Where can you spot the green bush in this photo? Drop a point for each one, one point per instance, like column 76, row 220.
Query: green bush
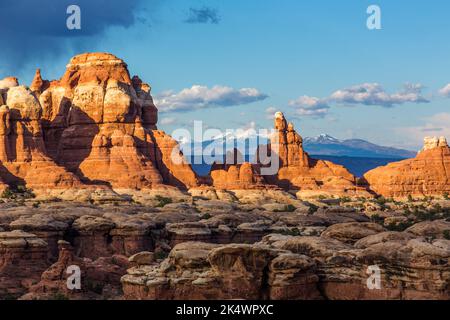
column 312, row 208
column 160, row 255
column 447, row 234
column 59, row 296
column 162, row 201
column 377, row 219
column 381, row 201
column 8, row 194
column 345, row 199
column 206, row 216
column 295, row 232
column 95, row 287
column 286, row 208
column 18, row 192
column 402, row 226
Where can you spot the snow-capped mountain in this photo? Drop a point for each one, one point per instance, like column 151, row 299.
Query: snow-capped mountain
column 322, row 138
column 324, row 144
column 327, row 145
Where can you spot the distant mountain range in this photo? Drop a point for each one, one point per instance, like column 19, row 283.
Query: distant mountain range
column 357, row 155
column 327, row 145
column 323, row 144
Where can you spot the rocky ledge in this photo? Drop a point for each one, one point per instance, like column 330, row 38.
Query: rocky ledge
column 194, row 248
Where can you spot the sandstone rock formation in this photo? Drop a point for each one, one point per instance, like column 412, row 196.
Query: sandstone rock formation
column 229, row 272
column 296, row 170
column 101, row 124
column 299, row 171
column 100, row 279
column 94, row 126
column 235, row 174
column 23, row 257
column 299, row 267
column 425, row 175
column 217, row 249
column 23, row 157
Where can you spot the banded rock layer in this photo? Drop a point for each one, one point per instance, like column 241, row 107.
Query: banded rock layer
column 425, row 175
column 96, row 125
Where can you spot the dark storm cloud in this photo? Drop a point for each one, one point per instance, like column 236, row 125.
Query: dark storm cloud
column 33, row 29
column 203, row 15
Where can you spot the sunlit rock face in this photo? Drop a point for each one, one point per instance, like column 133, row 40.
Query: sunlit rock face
column 23, row 156
column 100, row 124
column 425, row 175
column 299, row 171
column 293, row 168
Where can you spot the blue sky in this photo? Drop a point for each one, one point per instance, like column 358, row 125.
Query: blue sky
column 284, row 50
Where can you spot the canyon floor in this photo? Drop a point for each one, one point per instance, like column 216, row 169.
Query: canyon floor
column 260, row 244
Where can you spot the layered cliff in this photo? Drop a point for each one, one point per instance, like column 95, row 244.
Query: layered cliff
column 94, row 126
column 23, row 157
column 425, row 175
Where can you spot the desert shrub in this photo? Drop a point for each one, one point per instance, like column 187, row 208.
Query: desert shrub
column 8, row 297
column 8, row 194
column 160, row 255
column 289, row 232
column 312, row 208
column 447, row 234
column 59, row 296
column 95, row 287
column 402, row 226
column 410, row 198
column 446, row 196
column 206, row 216
column 345, row 199
column 162, row 201
column 377, row 219
column 18, row 192
column 286, row 208
column 381, row 201
column 423, row 214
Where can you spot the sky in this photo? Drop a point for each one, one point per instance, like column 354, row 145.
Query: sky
column 234, row 63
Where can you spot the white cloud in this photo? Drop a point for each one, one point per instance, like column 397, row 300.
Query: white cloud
column 270, row 112
column 445, row 91
column 374, row 94
column 436, row 125
column 371, row 94
column 201, row 97
column 168, row 121
column 310, row 106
